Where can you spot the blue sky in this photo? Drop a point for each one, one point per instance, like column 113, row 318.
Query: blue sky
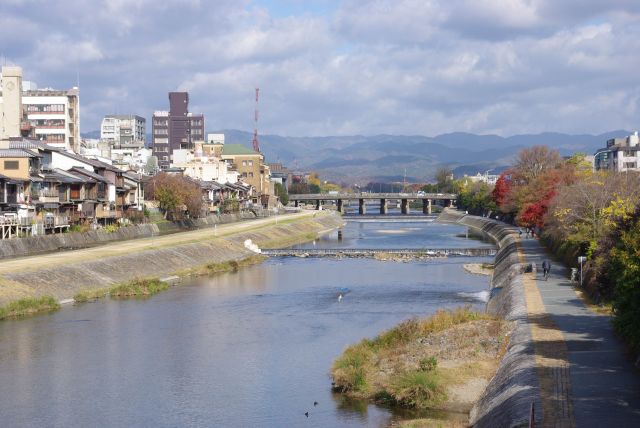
column 341, row 67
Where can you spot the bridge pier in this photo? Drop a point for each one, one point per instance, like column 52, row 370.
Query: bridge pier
column 317, row 204
column 404, row 206
column 362, row 208
column 426, row 206
column 383, row 206
column 296, row 203
column 447, row 203
column 340, row 206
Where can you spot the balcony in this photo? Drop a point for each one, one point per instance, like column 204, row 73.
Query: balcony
column 49, row 196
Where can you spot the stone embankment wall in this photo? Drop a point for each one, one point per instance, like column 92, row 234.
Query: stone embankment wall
column 62, row 282
column 507, row 400
column 19, row 247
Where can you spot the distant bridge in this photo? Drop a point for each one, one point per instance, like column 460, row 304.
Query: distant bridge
column 404, row 198
column 371, row 252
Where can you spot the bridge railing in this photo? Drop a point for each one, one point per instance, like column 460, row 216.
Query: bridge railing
column 328, row 196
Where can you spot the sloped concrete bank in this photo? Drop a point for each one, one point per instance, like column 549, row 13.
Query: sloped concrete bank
column 64, row 281
column 20, row 247
column 507, row 400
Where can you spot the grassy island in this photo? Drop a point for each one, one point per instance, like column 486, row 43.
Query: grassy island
column 443, row 362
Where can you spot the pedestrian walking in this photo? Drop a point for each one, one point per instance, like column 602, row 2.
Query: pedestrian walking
column 546, row 268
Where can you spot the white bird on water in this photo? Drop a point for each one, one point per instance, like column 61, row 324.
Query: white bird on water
column 339, row 297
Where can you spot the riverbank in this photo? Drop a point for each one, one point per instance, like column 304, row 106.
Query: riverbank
column 63, row 274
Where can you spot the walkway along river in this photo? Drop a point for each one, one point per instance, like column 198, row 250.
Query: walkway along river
column 251, row 348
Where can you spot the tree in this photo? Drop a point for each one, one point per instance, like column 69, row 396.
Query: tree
column 533, row 162
column 176, row 195
column 281, row 193
column 444, row 178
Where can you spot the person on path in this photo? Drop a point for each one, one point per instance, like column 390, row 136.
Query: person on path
column 546, row 267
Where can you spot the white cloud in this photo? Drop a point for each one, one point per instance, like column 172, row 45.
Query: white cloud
column 367, row 67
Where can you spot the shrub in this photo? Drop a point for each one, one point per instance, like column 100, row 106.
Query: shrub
column 418, row 389
column 428, row 364
column 29, row 306
column 138, row 287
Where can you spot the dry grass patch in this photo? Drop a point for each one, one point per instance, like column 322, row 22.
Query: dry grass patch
column 441, row 362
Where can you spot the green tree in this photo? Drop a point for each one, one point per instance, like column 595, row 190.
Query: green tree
column 281, row 192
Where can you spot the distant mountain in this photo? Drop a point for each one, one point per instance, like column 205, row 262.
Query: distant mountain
column 360, row 158
column 391, row 157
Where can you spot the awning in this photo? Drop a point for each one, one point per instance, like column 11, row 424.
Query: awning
column 51, row 205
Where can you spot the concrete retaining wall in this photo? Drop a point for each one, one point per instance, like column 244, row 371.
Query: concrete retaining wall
column 64, row 281
column 32, row 245
column 507, row 400
column 19, row 247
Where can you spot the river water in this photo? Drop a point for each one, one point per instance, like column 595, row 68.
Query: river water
column 244, row 349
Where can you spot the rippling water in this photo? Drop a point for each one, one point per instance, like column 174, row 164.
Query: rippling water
column 251, row 348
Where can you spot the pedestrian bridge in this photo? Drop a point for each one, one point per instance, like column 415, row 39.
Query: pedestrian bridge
column 371, row 252
column 427, row 199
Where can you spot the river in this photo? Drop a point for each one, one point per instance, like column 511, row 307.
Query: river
column 244, row 349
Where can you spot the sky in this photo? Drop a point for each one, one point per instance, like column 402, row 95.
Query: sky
column 329, row 67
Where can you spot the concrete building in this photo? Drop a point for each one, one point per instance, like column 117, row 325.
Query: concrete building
column 620, row 154
column 175, row 129
column 11, row 114
column 123, row 130
column 251, row 170
column 204, row 167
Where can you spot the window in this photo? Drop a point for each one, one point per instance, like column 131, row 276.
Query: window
column 251, row 175
column 11, row 165
column 250, row 163
column 244, row 163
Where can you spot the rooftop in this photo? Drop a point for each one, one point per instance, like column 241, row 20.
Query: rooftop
column 237, row 149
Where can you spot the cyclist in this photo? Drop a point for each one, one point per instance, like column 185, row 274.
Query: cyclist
column 546, row 267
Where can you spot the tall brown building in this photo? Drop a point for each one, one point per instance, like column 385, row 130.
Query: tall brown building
column 175, row 129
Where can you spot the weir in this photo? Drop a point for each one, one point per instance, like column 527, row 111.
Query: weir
column 371, row 252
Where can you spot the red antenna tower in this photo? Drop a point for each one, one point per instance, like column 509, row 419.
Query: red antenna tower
column 256, row 144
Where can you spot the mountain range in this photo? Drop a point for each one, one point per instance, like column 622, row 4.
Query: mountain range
column 360, row 159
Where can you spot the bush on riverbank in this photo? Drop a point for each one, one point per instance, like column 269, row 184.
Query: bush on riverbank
column 419, row 363
column 29, row 306
column 232, row 265
column 92, row 294
column 138, row 287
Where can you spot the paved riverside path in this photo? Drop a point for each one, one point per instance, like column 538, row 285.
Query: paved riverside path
column 604, row 385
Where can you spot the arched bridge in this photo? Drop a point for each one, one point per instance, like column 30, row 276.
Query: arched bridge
column 404, row 198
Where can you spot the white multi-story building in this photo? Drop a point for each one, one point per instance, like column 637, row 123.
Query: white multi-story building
column 54, row 116
column 123, row 130
column 621, row 154
column 203, row 167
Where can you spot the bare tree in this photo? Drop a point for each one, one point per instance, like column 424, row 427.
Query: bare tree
column 533, row 162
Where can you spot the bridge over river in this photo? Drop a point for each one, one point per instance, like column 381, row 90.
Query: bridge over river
column 404, row 198
column 365, row 252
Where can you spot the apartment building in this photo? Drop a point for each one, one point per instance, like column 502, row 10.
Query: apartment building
column 48, row 115
column 175, row 129
column 123, row 131
column 620, row 154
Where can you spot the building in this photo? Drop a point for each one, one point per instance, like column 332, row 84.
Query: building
column 486, row 178
column 620, row 154
column 11, row 112
column 48, row 115
column 203, row 166
column 47, row 188
column 175, row 129
column 251, row 170
column 123, row 131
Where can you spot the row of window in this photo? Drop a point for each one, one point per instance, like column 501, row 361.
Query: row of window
column 247, row 163
column 46, row 108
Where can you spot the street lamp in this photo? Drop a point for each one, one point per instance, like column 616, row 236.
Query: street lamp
column 581, row 260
